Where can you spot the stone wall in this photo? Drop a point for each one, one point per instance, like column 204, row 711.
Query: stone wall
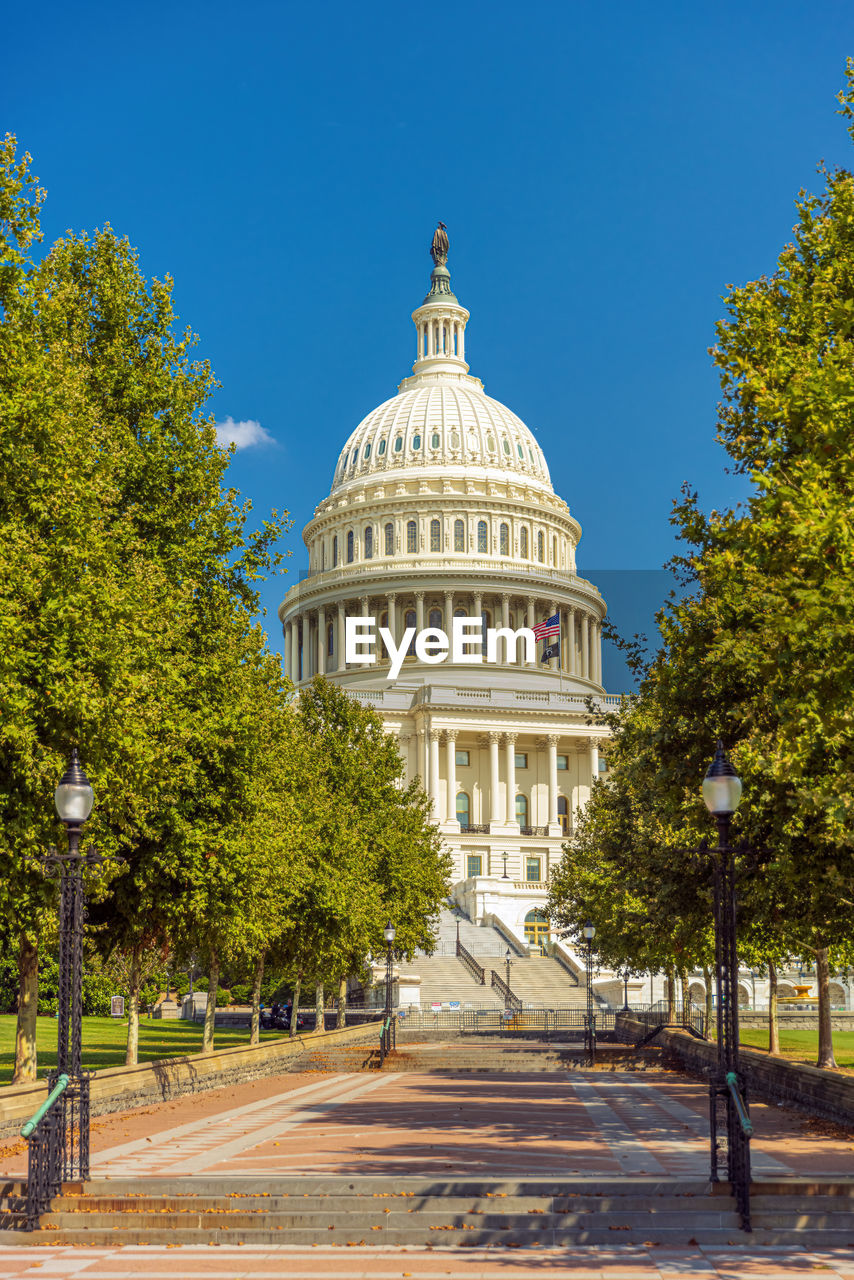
column 800, row 1020
column 828, row 1094
column 120, row 1088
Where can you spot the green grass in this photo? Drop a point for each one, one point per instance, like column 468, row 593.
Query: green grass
column 104, row 1041
column 802, row 1046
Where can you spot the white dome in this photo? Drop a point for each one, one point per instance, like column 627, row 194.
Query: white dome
column 442, row 422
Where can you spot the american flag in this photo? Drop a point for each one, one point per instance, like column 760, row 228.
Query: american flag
column 551, row 627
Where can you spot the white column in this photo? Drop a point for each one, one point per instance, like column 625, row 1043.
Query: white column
column 505, row 610
column 585, row 647
column 592, row 643
column 392, row 614
column 288, row 647
column 570, row 633
column 462, row 342
column 419, row 610
column 530, row 625
column 308, row 647
column 552, row 745
column 510, row 744
column 552, row 611
column 597, row 649
column 451, row 745
column 594, row 759
column 494, row 781
column 434, row 771
column 449, row 613
column 321, row 640
column 478, row 604
column 340, row 664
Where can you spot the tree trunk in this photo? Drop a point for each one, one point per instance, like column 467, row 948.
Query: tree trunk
column 773, row 1020
column 341, row 1020
column 683, row 986
column 671, row 994
column 255, row 1026
column 710, row 1004
column 132, row 1051
column 28, row 1004
column 825, row 1032
column 295, row 1005
column 210, row 1007
column 319, row 1014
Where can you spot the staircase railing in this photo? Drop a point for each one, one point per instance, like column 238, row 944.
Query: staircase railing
column 510, row 998
column 476, row 970
column 45, row 1132
column 557, row 953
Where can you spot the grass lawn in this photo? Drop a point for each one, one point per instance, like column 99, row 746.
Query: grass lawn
column 802, row 1046
column 104, row 1041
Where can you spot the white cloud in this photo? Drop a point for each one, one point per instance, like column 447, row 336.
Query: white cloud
column 243, row 435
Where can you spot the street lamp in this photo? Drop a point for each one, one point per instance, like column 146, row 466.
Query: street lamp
column 589, row 932
column 388, row 934
column 625, row 1008
column 722, row 795
column 505, row 876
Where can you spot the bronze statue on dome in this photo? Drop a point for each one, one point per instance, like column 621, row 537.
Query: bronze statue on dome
column 439, row 247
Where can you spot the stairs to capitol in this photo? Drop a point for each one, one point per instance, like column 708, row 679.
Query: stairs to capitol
column 417, row 1211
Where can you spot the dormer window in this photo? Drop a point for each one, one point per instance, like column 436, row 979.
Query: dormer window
column 381, row 448
column 416, row 442
column 398, row 444
column 434, row 440
column 367, row 453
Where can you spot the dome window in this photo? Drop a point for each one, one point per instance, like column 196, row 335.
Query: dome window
column 541, row 547
column 411, row 537
column 354, row 458
column 531, row 455
column 504, row 539
column 506, row 444
column 523, row 543
column 369, row 543
column 482, row 537
column 389, row 538
column 416, row 442
column 367, row 453
column 398, row 444
column 350, row 547
column 521, row 454
column 459, row 536
column 435, row 536
column 435, row 440
column 455, row 439
column 490, row 444
column 381, row 448
column 554, row 552
column 335, row 552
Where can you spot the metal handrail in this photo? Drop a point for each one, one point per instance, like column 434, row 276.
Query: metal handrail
column 741, row 1110
column 55, row 1094
column 510, row 996
column 476, row 970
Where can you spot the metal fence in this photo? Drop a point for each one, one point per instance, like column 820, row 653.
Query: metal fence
column 503, row 1022
column 661, row 1014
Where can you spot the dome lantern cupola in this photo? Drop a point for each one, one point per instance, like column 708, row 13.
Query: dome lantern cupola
column 440, row 321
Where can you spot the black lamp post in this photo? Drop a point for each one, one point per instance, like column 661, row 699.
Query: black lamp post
column 505, row 876
column 388, row 934
column 727, row 1093
column 625, row 1008
column 589, row 932
column 507, row 962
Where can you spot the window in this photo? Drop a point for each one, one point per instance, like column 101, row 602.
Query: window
column 523, row 543
column 381, row 448
column 536, row 928
column 354, row 458
column 463, row 809
column 389, row 539
column 335, row 551
column 369, row 543
column 554, row 551
column 455, row 439
column 330, row 640
column 474, row 865
column 435, row 535
column 367, row 452
column 482, row 537
column 411, row 537
column 522, row 810
column 322, row 556
column 532, row 868
column 506, row 444
column 350, row 547
column 504, row 539
column 434, row 619
column 521, row 759
column 562, row 762
column 416, row 442
column 434, row 440
column 462, row 758
column 563, row 814
column 459, row 536
column 490, row 444
column 409, row 621
column 541, row 547
column 531, row 455
column 398, row 444
column 520, row 453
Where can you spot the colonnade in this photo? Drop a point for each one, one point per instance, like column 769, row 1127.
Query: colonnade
column 308, row 651
column 441, row 336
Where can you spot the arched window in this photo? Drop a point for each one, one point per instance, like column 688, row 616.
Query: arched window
column 354, row 458
column 435, row 619
column 541, row 547
column 520, row 453
column 490, row 444
column 554, row 551
column 563, row 814
column 435, row 535
column 367, row 452
column 482, row 537
column 411, row 537
column 536, row 928
column 330, row 640
column 416, row 442
column 381, row 448
column 409, row 621
column 504, row 539
column 455, row 439
column 523, row 543
column 522, row 810
column 506, row 444
column 434, row 440
column 350, row 547
column 463, row 810
column 389, row 539
column 369, row 543
column 398, row 444
column 335, row 551
column 459, row 536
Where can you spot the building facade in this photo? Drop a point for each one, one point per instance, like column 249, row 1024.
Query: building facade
column 441, row 506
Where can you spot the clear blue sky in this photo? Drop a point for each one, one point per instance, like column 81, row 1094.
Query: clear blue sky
column 604, row 172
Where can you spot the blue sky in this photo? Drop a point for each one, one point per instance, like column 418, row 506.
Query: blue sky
column 604, row 172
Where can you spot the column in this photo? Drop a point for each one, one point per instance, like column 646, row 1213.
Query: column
column 552, row 745
column 591, row 641
column 449, row 613
column 340, row 664
column 308, row 647
column 594, row 759
column 495, row 808
column 598, row 651
column 461, row 342
column 570, row 632
column 288, row 629
column 434, row 771
column 391, row 598
column 451, row 745
column 510, row 745
column 478, row 604
column 530, row 623
column 553, row 608
column 585, row 647
column 321, row 640
column 419, row 611
column 505, row 609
